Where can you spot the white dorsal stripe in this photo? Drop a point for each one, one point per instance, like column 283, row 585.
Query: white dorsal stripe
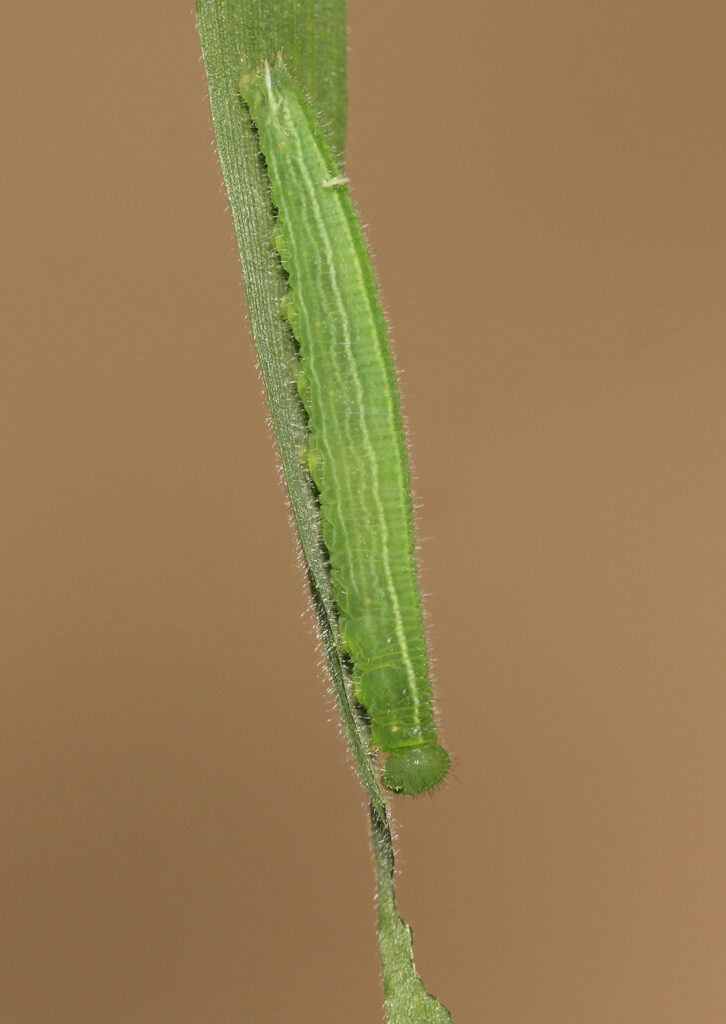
column 313, row 183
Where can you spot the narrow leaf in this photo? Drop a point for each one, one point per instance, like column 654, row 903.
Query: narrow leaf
column 237, row 36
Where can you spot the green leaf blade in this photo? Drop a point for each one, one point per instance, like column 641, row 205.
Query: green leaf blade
column 237, row 36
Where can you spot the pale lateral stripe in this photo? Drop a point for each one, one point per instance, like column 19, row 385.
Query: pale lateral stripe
column 301, row 297
column 367, row 443
column 310, row 367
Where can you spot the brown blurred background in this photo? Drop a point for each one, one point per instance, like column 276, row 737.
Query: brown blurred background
column 182, row 839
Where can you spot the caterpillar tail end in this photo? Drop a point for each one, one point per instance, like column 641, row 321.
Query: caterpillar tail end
column 413, row 770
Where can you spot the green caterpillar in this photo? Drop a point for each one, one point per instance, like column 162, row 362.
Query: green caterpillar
column 357, row 451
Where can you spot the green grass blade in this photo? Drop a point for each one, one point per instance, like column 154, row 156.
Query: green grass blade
column 236, row 36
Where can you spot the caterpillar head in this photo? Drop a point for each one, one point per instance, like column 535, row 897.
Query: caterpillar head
column 413, row 770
